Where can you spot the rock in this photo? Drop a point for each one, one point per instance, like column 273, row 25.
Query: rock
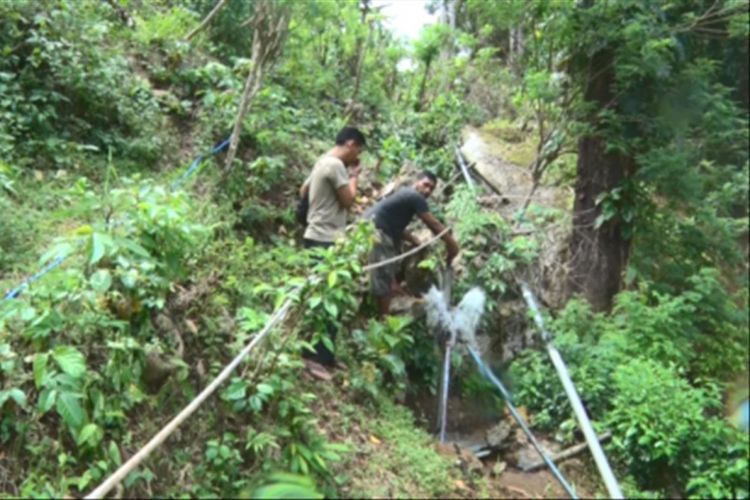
column 527, row 454
column 406, row 304
column 156, row 372
column 164, row 323
column 499, row 468
column 500, row 436
column 468, row 461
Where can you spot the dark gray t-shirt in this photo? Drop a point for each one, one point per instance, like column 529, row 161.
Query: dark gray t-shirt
column 394, row 213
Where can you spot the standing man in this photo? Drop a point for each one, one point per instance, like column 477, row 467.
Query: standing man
column 331, row 191
column 391, row 215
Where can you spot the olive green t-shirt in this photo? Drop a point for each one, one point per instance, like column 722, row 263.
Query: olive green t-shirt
column 326, row 218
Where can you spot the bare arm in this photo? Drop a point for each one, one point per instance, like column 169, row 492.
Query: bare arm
column 346, row 194
column 304, row 189
column 436, row 227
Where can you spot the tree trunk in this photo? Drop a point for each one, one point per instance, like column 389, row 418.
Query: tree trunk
column 598, row 255
column 219, row 5
column 361, row 49
column 515, row 48
column 745, row 78
column 252, row 85
column 423, row 84
column 270, row 23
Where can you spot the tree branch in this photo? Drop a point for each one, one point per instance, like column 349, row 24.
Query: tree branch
column 207, row 20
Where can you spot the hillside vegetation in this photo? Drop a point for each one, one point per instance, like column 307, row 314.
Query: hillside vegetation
column 159, row 273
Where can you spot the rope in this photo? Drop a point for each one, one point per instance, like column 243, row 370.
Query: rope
column 168, row 429
column 483, row 369
column 216, row 149
column 28, row 281
column 575, row 401
column 404, row 255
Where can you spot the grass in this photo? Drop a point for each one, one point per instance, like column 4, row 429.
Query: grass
column 506, row 140
column 389, row 455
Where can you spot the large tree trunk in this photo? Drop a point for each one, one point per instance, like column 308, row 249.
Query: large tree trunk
column 598, row 255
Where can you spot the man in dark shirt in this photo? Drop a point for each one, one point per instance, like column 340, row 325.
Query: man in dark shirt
column 391, row 216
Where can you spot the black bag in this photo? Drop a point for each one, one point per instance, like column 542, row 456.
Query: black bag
column 303, row 206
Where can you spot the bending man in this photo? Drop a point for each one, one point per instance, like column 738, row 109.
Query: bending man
column 391, row 216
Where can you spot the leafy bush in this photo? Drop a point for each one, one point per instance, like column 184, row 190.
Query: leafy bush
column 380, row 351
column 488, row 251
column 63, row 92
column 86, row 335
column 652, row 372
column 660, row 425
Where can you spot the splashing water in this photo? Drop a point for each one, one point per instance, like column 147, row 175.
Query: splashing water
column 463, row 319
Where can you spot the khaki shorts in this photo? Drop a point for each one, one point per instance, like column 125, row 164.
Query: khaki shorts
column 382, row 277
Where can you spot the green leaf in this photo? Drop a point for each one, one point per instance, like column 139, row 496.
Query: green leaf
column 314, row 301
column 331, row 308
column 101, row 280
column 236, row 390
column 114, row 453
column 264, row 389
column 46, row 399
column 70, row 410
column 332, row 279
column 130, row 278
column 60, row 250
column 90, row 432
column 15, row 394
column 40, row 368
column 99, row 244
column 70, row 360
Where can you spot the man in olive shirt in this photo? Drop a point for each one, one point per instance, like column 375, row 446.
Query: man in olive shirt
column 391, row 215
column 331, row 192
column 332, row 189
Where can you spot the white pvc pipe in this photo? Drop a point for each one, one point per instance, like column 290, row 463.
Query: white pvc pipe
column 575, row 401
column 464, row 170
column 168, row 429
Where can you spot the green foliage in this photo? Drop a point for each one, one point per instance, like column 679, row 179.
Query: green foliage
column 129, row 269
column 160, row 27
column 90, row 85
column 407, row 461
column 652, row 372
column 654, row 436
column 287, row 486
column 65, row 92
column 380, row 353
column 490, row 253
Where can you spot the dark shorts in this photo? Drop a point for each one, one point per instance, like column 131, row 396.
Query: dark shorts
column 316, row 244
column 382, row 277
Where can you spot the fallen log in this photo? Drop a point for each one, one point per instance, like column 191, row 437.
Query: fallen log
column 565, row 454
column 493, row 188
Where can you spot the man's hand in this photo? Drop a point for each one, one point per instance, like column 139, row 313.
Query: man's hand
column 452, row 248
column 354, row 170
column 437, row 228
